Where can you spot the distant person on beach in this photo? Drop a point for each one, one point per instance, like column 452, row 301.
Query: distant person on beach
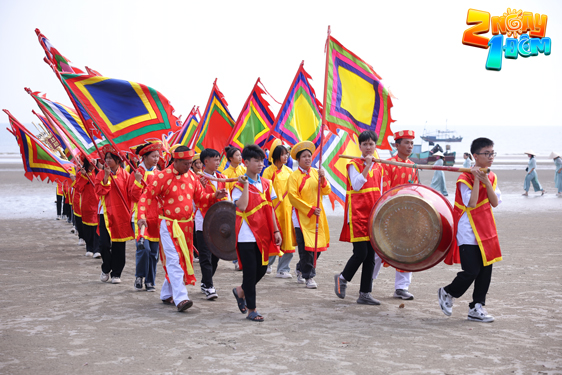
column 467, row 160
column 477, row 245
column 438, row 181
column 531, row 176
column 557, row 173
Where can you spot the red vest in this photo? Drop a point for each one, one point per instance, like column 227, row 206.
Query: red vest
column 259, row 217
column 481, row 220
column 88, row 200
column 358, row 204
column 210, row 189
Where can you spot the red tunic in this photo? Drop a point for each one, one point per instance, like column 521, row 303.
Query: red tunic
column 115, row 211
column 76, row 200
column 66, row 192
column 259, row 217
column 358, row 204
column 59, row 189
column 481, row 220
column 89, row 199
column 210, row 189
column 176, row 194
column 136, row 192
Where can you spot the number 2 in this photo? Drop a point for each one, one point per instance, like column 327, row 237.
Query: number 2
column 481, row 22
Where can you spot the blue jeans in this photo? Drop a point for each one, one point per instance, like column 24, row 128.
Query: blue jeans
column 147, row 260
column 284, row 262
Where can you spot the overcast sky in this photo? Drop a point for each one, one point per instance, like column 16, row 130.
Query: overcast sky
column 180, row 47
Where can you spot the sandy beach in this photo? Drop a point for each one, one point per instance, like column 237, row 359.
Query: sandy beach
column 57, row 317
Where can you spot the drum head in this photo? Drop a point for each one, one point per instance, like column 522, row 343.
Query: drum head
column 406, row 229
column 219, row 230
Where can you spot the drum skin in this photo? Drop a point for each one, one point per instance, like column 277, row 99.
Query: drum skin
column 411, row 227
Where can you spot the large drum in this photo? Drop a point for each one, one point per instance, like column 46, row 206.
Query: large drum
column 411, row 227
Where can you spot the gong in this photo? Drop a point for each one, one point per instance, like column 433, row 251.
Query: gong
column 219, row 230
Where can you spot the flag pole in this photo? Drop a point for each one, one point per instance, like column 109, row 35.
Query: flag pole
column 320, row 180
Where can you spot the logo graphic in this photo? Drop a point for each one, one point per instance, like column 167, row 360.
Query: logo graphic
column 514, row 24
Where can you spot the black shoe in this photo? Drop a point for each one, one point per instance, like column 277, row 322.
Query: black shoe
column 149, row 287
column 138, row 283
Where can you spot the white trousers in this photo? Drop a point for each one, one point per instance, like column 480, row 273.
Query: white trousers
column 176, row 287
column 402, row 280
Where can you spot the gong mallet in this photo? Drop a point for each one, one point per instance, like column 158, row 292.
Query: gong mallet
column 419, row 166
column 216, row 179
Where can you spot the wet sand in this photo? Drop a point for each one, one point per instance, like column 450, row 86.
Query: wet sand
column 57, row 317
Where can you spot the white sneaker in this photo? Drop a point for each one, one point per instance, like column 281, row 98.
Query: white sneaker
column 73, row 230
column 311, row 284
column 479, row 314
column 58, row 217
column 300, row 279
column 211, row 293
column 284, row 275
column 116, row 280
column 104, row 277
column 195, row 260
column 445, row 301
column 81, row 242
column 97, row 255
column 268, row 270
column 89, row 253
column 236, row 266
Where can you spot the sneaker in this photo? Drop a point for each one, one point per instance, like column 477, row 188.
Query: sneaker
column 311, row 284
column 403, row 294
column 104, row 276
column 138, row 283
column 211, row 293
column 268, row 270
column 236, row 267
column 89, row 254
column 340, row 286
column 203, row 288
column 81, row 242
column 73, row 230
column 284, row 275
column 367, row 299
column 195, row 260
column 479, row 314
column 97, row 255
column 300, row 279
column 150, row 287
column 445, row 301
column 58, row 217
column 116, row 280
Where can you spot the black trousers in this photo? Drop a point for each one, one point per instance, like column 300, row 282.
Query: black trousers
column 473, row 270
column 306, row 258
column 363, row 253
column 79, row 226
column 66, row 211
column 59, row 204
column 252, row 270
column 195, row 245
column 91, row 238
column 207, row 261
column 112, row 253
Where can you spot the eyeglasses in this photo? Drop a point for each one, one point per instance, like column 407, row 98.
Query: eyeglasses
column 487, row 154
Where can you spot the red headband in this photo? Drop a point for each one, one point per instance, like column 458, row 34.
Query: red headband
column 155, row 146
column 186, row 155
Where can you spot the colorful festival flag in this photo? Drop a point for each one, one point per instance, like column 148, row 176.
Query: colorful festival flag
column 354, row 97
column 38, row 160
column 255, row 121
column 61, row 63
column 187, row 132
column 216, row 123
column 300, row 115
column 336, row 168
column 129, row 113
column 58, row 135
column 68, row 121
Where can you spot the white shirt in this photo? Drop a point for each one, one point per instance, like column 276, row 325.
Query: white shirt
column 245, row 234
column 465, row 234
column 198, row 215
column 357, row 181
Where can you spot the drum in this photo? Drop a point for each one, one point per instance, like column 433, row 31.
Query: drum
column 411, row 227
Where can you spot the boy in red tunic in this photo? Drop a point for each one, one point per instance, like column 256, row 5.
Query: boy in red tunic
column 257, row 234
column 364, row 183
column 207, row 260
column 477, row 238
column 396, row 176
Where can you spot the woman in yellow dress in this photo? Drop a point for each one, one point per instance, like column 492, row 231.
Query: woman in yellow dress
column 279, row 174
column 303, row 190
column 236, row 168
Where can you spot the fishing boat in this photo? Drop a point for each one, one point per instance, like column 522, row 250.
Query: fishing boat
column 426, row 157
column 445, row 136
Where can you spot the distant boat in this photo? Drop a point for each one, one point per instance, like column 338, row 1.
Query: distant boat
column 426, row 157
column 441, row 136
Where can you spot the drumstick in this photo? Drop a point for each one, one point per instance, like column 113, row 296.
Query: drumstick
column 419, row 166
column 210, row 178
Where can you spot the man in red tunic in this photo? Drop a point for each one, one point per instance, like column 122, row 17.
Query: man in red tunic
column 176, row 189
column 396, row 176
column 364, row 183
column 477, row 245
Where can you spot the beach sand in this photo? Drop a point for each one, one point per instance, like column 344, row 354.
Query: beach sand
column 57, row 317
